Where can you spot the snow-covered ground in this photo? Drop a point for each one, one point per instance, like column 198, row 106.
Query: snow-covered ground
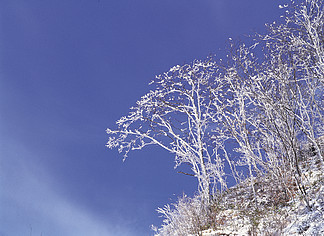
column 301, row 222
column 294, row 218
column 268, row 211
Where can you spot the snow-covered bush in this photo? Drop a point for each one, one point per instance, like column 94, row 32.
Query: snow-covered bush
column 186, row 216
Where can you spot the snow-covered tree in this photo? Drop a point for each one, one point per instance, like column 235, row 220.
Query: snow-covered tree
column 180, row 115
column 277, row 99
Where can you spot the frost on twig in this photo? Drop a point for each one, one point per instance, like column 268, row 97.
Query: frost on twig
column 180, row 114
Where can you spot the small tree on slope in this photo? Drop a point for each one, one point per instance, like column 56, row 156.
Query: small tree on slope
column 179, row 115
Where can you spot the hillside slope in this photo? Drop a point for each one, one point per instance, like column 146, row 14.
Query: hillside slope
column 275, row 213
column 271, row 207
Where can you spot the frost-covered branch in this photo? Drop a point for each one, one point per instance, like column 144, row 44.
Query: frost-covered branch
column 178, row 115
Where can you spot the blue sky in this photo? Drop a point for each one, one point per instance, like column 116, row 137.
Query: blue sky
column 68, row 70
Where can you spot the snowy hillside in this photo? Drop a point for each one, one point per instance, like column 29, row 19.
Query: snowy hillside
column 273, row 213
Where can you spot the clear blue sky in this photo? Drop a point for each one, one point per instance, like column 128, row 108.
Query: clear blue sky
column 68, row 70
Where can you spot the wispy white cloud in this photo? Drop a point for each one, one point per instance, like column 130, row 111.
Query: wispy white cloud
column 31, row 205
